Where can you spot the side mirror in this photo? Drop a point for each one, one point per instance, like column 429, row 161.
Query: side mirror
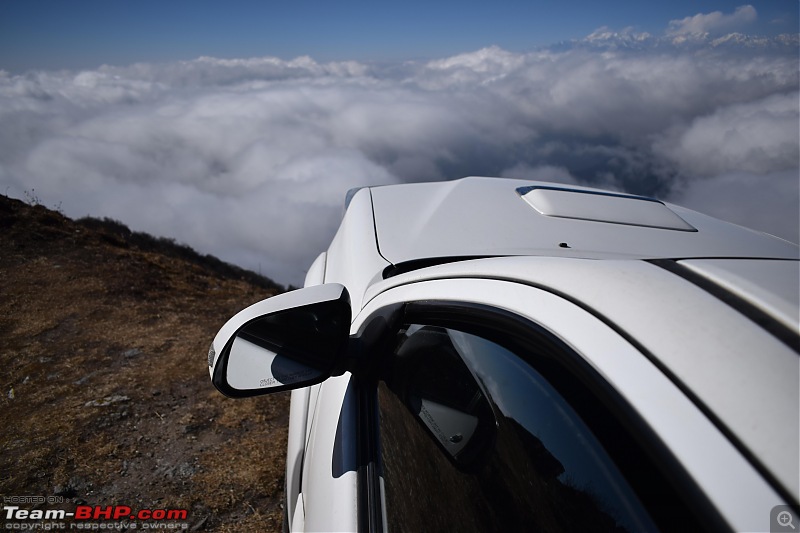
column 289, row 341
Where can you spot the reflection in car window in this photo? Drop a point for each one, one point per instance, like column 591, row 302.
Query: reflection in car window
column 474, row 439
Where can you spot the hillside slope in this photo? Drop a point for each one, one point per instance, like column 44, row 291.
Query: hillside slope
column 105, row 392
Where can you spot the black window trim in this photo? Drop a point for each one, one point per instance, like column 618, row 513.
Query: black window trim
column 370, row 509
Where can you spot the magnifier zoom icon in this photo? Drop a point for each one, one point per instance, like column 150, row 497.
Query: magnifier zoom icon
column 785, row 519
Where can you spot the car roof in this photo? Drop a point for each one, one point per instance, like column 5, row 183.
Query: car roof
column 481, row 217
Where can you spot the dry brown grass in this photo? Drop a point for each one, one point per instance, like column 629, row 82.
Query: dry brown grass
column 105, row 392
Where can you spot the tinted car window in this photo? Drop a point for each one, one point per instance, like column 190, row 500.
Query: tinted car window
column 475, row 439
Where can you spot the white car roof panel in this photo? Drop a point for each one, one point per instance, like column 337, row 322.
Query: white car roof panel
column 489, row 217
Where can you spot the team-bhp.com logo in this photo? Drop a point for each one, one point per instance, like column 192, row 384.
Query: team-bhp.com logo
column 122, row 512
column 87, row 517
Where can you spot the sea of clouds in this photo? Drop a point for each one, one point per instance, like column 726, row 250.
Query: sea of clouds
column 250, row 159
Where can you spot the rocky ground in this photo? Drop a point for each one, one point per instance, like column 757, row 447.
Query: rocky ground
column 106, row 398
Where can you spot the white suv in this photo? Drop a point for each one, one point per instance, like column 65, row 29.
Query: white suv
column 492, row 354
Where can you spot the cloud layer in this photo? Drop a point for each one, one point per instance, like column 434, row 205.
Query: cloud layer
column 715, row 22
column 250, row 159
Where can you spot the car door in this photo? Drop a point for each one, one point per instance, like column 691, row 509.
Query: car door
column 497, row 405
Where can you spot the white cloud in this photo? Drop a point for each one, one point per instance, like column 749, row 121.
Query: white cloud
column 759, row 137
column 765, row 202
column 250, row 159
column 713, row 23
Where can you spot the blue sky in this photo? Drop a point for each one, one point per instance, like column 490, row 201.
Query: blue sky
column 79, row 34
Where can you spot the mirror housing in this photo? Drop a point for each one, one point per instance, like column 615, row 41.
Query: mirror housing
column 288, row 341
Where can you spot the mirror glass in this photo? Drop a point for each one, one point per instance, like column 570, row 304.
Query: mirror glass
column 289, row 348
column 251, row 366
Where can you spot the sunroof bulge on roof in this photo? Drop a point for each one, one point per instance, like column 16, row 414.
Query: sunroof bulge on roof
column 602, row 207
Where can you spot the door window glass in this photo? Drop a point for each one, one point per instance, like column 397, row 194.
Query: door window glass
column 475, row 439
